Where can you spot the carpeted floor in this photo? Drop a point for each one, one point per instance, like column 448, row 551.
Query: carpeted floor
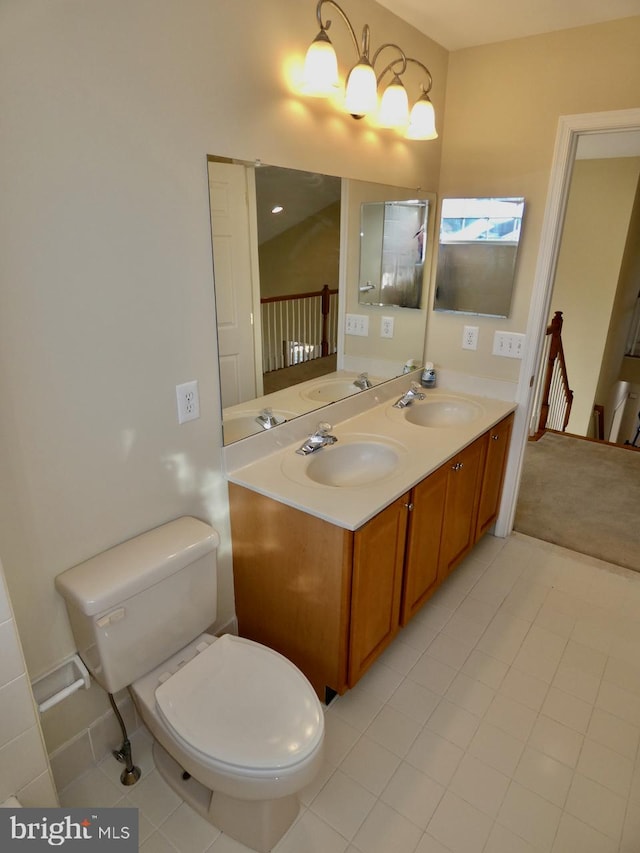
column 582, row 495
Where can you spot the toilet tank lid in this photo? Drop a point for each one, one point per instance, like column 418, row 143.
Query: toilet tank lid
column 109, row 578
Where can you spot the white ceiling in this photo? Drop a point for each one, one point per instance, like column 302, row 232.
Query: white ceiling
column 464, row 23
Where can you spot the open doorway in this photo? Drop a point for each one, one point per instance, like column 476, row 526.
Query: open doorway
column 595, row 288
column 574, row 492
column 570, row 130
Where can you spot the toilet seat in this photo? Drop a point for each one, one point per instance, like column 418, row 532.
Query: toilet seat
column 243, row 706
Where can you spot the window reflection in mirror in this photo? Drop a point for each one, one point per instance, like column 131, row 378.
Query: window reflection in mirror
column 477, row 252
column 393, row 244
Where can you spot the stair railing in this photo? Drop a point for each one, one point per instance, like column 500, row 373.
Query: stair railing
column 557, row 396
column 298, row 327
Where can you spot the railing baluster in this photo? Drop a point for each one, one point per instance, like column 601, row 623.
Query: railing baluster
column 557, row 397
column 298, row 327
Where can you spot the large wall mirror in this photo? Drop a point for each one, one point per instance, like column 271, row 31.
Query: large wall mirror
column 477, row 252
column 286, row 249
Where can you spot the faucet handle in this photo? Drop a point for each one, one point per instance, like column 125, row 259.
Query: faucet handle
column 323, row 428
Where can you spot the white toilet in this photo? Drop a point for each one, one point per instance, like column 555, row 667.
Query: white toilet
column 240, row 719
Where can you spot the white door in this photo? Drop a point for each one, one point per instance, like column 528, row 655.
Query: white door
column 231, row 207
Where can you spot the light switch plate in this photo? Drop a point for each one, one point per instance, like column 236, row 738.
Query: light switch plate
column 508, row 344
column 356, row 324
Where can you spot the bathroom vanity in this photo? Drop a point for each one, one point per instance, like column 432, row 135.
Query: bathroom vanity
column 328, row 572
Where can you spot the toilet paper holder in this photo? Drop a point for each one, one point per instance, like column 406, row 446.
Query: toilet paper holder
column 62, row 681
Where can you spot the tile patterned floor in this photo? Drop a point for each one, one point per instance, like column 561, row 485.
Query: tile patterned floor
column 505, row 718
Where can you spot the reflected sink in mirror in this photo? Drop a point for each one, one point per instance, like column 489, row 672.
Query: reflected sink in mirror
column 443, row 412
column 334, row 389
column 357, row 462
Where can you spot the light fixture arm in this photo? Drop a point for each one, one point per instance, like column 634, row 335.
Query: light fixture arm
column 404, row 59
column 364, row 51
column 426, row 71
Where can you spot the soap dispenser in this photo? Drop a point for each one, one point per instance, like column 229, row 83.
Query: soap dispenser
column 428, row 376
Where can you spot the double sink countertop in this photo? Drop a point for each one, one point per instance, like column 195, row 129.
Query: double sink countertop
column 381, row 452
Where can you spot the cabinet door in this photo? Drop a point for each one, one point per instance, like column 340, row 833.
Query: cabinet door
column 459, row 525
column 292, row 582
column 378, row 557
column 423, row 542
column 497, row 449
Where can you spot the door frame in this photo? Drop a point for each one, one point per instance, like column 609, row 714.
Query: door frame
column 569, row 129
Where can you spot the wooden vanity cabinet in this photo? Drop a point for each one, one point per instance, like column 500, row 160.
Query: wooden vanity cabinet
column 331, row 599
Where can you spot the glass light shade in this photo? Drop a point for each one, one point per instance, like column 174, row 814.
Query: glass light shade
column 320, row 75
column 422, row 121
column 394, row 106
column 361, row 97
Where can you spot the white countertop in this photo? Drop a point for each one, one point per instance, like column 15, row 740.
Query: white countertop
column 419, row 449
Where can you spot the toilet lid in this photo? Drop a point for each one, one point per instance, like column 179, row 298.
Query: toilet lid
column 243, row 704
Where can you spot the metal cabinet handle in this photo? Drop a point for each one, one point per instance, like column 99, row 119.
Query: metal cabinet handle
column 409, row 506
column 457, row 466
column 495, row 437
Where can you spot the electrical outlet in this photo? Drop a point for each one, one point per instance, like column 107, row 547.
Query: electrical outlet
column 188, row 401
column 508, row 344
column 386, row 327
column 470, row 337
column 356, row 324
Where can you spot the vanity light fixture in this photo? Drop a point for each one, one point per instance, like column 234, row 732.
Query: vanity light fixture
column 321, row 80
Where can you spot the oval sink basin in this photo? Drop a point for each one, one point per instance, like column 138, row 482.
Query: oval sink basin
column 444, row 412
column 354, row 464
column 357, row 462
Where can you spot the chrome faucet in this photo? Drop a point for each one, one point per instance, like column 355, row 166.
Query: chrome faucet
column 363, row 382
column 267, row 419
column 318, row 440
column 414, row 393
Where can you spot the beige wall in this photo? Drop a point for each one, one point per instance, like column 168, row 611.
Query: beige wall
column 593, row 240
column 303, row 258
column 502, row 110
column 106, row 300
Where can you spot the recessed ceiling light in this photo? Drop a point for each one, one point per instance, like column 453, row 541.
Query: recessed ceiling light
column 277, row 209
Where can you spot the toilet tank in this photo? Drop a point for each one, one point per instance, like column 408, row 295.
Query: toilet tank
column 140, row 602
